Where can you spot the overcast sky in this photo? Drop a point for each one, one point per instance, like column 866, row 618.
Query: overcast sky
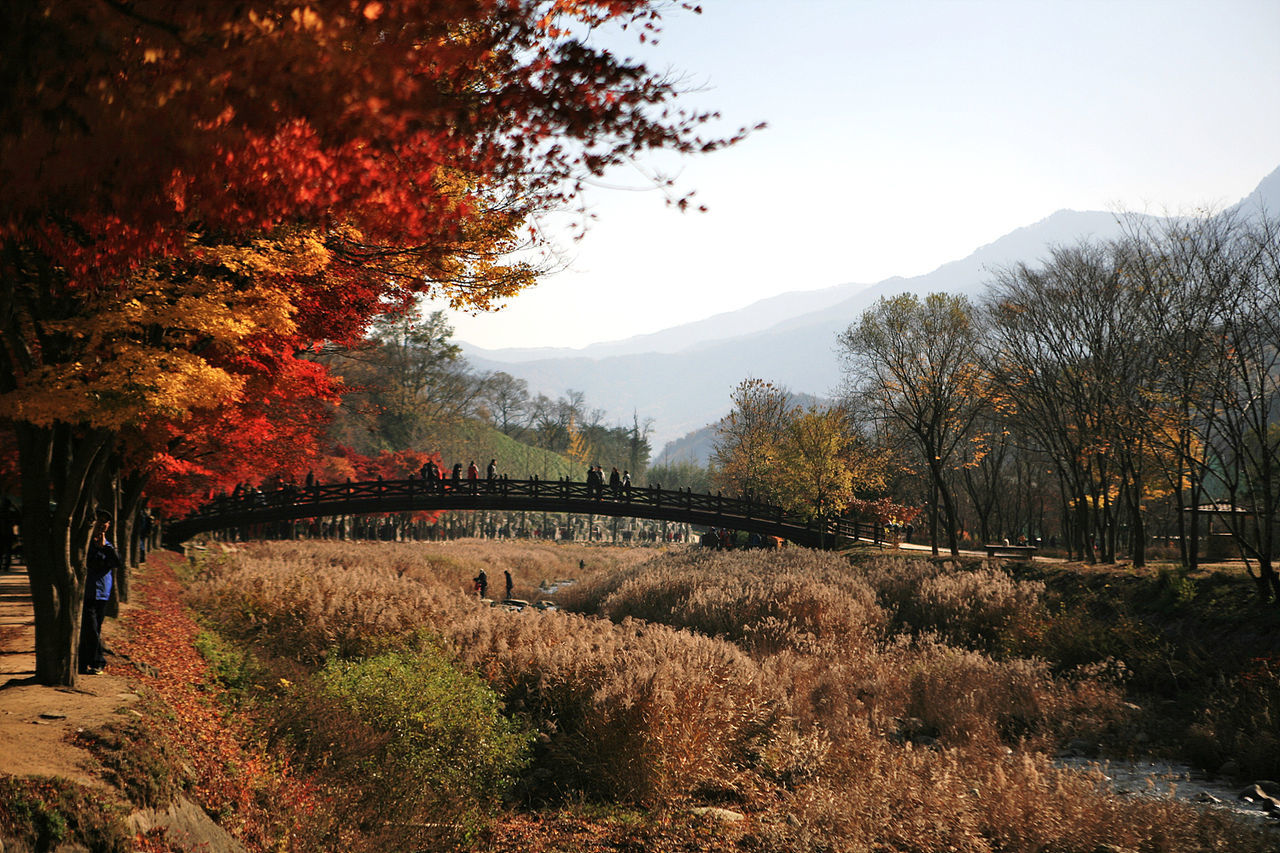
column 907, row 133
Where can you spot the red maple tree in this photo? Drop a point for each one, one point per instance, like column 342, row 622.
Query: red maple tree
column 171, row 166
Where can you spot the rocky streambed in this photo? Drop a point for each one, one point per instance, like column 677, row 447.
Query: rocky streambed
column 1257, row 801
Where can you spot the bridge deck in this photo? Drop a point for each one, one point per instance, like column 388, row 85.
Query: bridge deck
column 506, row 495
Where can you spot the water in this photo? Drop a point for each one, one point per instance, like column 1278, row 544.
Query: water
column 1166, row 779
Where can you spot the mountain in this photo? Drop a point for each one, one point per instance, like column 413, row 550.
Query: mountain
column 686, row 389
column 755, row 317
column 682, row 377
column 1266, row 197
column 695, row 447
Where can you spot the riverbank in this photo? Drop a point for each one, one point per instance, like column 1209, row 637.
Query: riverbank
column 765, row 702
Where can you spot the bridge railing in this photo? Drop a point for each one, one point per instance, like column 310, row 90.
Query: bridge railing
column 365, row 497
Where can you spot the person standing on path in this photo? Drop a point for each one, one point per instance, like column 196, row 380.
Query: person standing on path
column 101, row 561
column 482, row 583
column 510, row 583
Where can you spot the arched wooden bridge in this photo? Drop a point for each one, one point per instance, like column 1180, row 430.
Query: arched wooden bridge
column 504, row 495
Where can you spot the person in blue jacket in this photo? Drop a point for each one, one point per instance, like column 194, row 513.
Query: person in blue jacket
column 101, row 561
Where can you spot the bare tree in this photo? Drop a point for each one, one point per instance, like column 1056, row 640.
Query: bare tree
column 507, row 402
column 1067, row 351
column 1242, row 415
column 918, row 362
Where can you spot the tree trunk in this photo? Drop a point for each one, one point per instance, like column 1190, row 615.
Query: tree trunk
column 1139, row 529
column 61, row 468
column 1087, row 554
column 933, row 517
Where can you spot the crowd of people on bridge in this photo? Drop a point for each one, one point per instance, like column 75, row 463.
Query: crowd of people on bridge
column 617, row 483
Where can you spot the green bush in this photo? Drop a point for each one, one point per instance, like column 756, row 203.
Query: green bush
column 232, row 667
column 425, row 742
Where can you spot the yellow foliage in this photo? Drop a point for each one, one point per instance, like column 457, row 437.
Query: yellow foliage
column 142, row 350
column 294, row 254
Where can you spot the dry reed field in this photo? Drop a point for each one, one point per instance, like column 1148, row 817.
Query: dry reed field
column 886, row 705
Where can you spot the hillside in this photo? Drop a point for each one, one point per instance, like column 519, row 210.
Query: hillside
column 467, row 440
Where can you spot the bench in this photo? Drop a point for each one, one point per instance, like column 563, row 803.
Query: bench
column 1028, row 551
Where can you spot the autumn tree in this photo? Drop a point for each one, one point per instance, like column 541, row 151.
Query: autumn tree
column 918, row 363
column 825, row 462
column 680, row 474
column 1178, row 266
column 404, row 377
column 401, row 146
column 746, row 450
column 1076, row 346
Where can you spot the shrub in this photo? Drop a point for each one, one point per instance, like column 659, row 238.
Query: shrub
column 634, row 712
column 427, row 742
column 886, row 798
column 1241, row 721
column 778, row 682
column 230, row 666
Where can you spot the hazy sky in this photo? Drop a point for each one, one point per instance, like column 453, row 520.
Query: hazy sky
column 907, row 133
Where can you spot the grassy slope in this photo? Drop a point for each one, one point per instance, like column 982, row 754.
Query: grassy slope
column 471, row 440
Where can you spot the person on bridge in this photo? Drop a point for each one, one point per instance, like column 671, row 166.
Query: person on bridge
column 626, row 481
column 457, row 474
column 615, row 482
column 491, row 472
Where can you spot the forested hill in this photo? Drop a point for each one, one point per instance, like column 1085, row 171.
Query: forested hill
column 409, row 391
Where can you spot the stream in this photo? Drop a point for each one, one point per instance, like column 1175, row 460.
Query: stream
column 1166, row 779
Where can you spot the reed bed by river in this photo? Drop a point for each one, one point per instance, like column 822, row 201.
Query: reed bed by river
column 885, row 704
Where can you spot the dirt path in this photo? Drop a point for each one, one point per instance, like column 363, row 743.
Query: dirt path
column 36, row 721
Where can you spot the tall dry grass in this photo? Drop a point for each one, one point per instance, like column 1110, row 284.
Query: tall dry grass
column 978, row 607
column 798, row 600
column 791, row 685
column 636, row 712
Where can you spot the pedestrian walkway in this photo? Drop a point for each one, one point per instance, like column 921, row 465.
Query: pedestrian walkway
column 17, row 626
column 36, row 722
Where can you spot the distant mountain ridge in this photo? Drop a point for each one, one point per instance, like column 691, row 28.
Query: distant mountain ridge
column 755, row 317
column 683, row 376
